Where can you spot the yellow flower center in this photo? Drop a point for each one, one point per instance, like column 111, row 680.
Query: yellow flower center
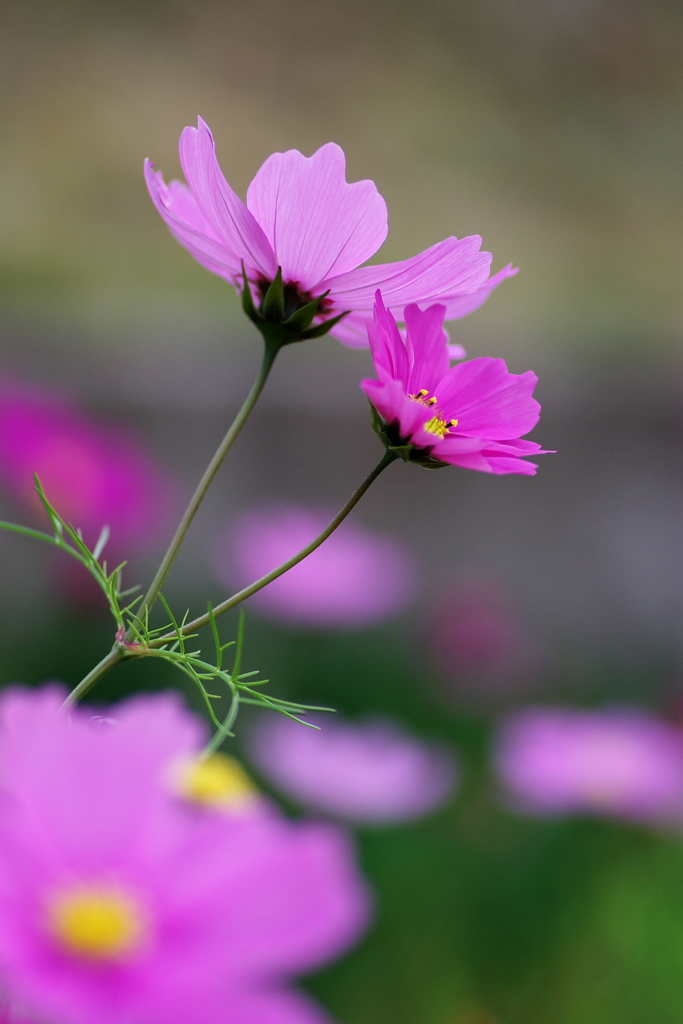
column 220, row 781
column 436, row 425
column 98, row 922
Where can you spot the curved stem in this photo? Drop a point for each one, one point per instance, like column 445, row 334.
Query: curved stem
column 205, row 482
column 93, row 677
column 116, row 654
column 242, row 595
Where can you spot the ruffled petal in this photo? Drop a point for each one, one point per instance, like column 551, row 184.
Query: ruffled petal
column 223, row 209
column 427, row 342
column 445, row 270
column 487, row 400
column 491, row 457
column 317, row 223
column 463, row 304
column 453, row 272
column 389, row 351
column 189, row 226
column 500, row 464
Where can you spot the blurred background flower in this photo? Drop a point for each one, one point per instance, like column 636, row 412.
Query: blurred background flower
column 482, row 648
column 617, row 761
column 94, row 475
column 354, row 580
column 370, row 772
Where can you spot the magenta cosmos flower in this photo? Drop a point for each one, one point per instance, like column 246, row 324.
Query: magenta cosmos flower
column 356, row 578
column 370, row 772
column 91, row 474
column 129, row 896
column 470, row 415
column 621, row 762
column 303, row 216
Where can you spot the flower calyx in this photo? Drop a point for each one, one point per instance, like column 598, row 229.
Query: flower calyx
column 283, row 314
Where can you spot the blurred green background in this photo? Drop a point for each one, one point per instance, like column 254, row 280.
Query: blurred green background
column 553, row 129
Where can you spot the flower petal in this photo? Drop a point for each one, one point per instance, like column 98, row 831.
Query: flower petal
column 389, row 351
column 487, row 400
column 500, row 464
column 428, row 342
column 492, row 457
column 394, row 405
column 279, row 1006
column 318, row 224
column 324, row 907
column 450, row 268
column 189, row 226
column 463, row 304
column 453, row 272
column 222, row 208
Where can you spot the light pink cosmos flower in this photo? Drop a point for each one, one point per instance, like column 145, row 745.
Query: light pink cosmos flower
column 371, row 772
column 302, row 215
column 123, row 902
column 620, row 762
column 91, row 474
column 355, row 579
column 470, row 415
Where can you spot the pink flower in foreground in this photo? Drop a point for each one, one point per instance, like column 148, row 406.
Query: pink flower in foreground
column 469, row 415
column 370, row 772
column 302, row 215
column 127, row 897
column 356, row 578
column 93, row 475
column 619, row 762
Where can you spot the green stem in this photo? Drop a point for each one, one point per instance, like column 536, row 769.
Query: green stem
column 94, row 676
column 116, row 654
column 205, row 482
column 242, row 595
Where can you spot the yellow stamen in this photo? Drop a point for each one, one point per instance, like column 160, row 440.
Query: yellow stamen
column 220, row 781
column 437, row 426
column 97, row 922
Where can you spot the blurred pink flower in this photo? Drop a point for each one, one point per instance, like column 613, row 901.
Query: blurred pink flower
column 480, row 643
column 356, row 578
column 122, row 901
column 302, row 215
column 93, row 475
column 370, row 772
column 470, row 415
column 620, row 762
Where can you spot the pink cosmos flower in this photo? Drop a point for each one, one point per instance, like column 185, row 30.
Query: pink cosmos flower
column 620, row 762
column 470, row 415
column 302, row 215
column 370, row 772
column 126, row 898
column 356, row 578
column 481, row 644
column 91, row 474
